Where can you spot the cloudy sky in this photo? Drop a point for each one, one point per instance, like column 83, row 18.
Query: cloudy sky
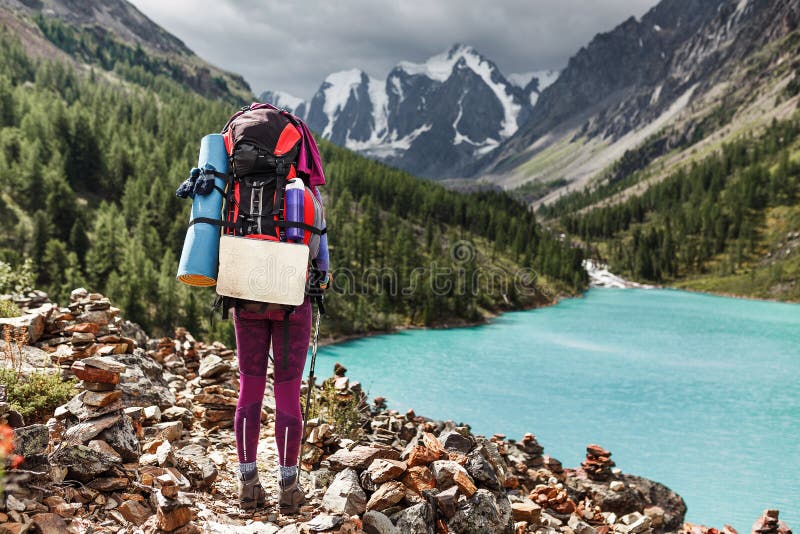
column 292, row 45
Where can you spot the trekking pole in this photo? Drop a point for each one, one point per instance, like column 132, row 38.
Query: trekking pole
column 310, row 387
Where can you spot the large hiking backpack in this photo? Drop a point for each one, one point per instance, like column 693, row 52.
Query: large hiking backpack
column 263, row 144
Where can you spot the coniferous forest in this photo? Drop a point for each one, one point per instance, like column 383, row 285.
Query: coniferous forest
column 722, row 216
column 91, row 155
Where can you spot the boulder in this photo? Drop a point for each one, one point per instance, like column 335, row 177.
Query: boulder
column 483, row 513
column 31, row 440
column 103, row 447
column 193, row 461
column 178, row 413
column 481, row 470
column 446, row 501
column 637, row 494
column 491, row 454
column 121, row 436
column 172, row 513
column 416, row 519
column 526, row 510
column 83, row 412
column 360, row 457
column 375, row 522
column 32, row 322
column 134, row 512
column 83, row 462
column 453, row 441
column 104, row 362
column 344, row 495
column 323, row 522
column 83, row 432
column 101, row 398
column 387, row 494
column 94, row 374
column 171, row 431
column 143, row 382
column 382, row 470
column 421, row 455
column 448, row 472
column 47, row 522
column 419, row 478
column 212, row 365
column 33, row 358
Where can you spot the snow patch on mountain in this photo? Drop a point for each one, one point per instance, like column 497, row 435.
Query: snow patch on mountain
column 380, row 108
column 484, row 69
column 390, row 145
column 458, row 138
column 440, row 67
column 337, row 89
column 284, row 100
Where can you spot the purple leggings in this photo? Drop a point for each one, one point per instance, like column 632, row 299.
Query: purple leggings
column 253, row 333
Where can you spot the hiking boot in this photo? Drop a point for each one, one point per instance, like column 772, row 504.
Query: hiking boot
column 290, row 497
column 251, row 494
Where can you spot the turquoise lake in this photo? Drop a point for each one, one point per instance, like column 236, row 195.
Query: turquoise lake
column 701, row 393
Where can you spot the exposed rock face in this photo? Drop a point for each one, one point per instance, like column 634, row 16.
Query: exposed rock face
column 624, row 79
column 431, row 118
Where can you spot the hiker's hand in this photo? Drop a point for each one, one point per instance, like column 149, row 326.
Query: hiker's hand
column 318, row 283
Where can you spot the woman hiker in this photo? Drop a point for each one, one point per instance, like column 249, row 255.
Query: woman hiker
column 272, row 148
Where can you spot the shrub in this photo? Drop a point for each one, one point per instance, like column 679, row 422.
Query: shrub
column 347, row 414
column 8, row 309
column 16, row 279
column 37, row 395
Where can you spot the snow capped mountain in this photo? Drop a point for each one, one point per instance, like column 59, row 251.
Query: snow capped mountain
column 289, row 102
column 430, row 118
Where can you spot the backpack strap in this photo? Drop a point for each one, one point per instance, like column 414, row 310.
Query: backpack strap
column 301, row 225
column 215, row 222
column 282, row 171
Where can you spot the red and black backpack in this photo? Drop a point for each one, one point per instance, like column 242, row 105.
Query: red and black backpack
column 263, row 144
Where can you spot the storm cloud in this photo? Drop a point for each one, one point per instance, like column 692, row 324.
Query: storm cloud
column 292, row 46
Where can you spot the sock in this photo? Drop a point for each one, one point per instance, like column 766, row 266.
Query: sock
column 248, row 470
column 287, row 474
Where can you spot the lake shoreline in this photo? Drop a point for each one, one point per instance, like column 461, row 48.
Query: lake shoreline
column 488, row 317
column 730, row 295
column 491, row 316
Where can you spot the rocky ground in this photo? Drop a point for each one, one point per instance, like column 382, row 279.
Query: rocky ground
column 146, row 445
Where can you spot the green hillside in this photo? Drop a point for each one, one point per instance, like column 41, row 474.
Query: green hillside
column 90, row 157
column 729, row 222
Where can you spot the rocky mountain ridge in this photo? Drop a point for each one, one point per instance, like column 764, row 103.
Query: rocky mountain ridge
column 430, row 118
column 688, row 72
column 117, row 27
column 146, row 446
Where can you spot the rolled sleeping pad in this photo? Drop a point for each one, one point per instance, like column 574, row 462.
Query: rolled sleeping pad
column 200, row 255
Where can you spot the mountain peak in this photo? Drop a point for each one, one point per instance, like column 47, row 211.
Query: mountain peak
column 440, row 66
column 348, row 76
